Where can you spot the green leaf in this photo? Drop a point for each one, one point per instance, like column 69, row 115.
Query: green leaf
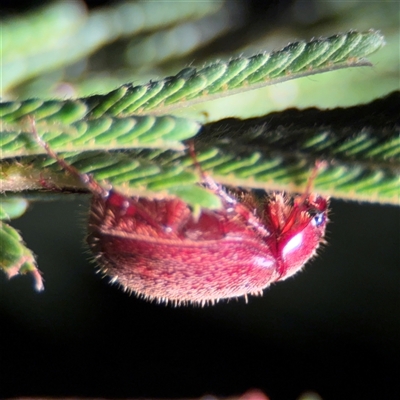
column 166, row 132
column 191, row 86
column 360, row 146
column 15, row 257
column 298, row 59
column 12, row 207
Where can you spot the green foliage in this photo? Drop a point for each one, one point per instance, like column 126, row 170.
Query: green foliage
column 15, row 257
column 26, row 54
column 108, row 122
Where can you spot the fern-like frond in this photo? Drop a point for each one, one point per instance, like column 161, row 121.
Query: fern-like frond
column 219, row 79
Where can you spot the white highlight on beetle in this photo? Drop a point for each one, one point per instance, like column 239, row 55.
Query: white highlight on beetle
column 264, row 262
column 293, row 244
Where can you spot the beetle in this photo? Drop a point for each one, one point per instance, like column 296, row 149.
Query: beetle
column 160, row 250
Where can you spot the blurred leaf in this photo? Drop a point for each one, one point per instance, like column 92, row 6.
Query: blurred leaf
column 76, row 34
column 15, row 257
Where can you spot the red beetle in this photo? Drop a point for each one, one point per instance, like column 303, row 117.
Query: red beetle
column 160, row 250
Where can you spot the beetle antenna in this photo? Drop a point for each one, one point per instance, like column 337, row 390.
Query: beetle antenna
column 319, row 164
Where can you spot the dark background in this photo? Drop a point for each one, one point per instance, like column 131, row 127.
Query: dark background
column 333, row 328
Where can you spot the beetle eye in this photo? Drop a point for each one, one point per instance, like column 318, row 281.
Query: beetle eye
column 318, row 219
